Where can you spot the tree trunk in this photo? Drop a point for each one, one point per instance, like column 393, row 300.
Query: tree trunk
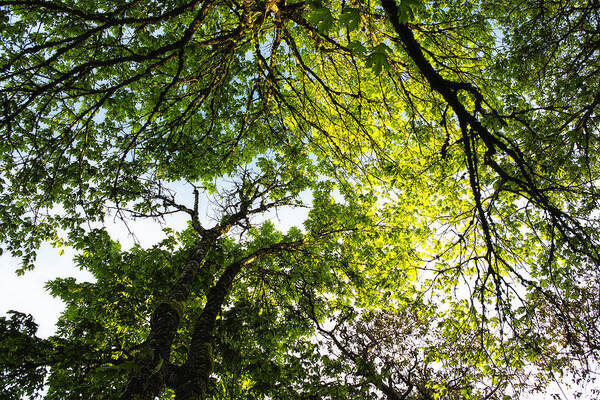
column 152, row 360
column 193, row 377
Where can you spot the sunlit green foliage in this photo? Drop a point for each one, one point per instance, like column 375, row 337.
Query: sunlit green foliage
column 445, row 151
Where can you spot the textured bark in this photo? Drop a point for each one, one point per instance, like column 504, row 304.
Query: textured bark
column 193, row 377
column 153, row 357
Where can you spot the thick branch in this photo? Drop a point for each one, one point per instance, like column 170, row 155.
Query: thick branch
column 448, row 89
column 148, row 380
column 192, row 378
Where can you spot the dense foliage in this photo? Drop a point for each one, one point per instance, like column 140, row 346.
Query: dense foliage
column 446, row 151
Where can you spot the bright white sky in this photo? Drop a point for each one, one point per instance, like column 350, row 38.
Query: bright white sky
column 27, row 294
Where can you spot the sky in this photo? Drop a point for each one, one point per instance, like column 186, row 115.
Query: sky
column 27, row 294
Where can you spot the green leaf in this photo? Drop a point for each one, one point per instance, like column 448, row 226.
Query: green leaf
column 406, row 10
column 322, row 18
column 350, row 18
column 357, row 48
column 378, row 59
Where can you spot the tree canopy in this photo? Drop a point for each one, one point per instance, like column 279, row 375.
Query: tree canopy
column 445, row 151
